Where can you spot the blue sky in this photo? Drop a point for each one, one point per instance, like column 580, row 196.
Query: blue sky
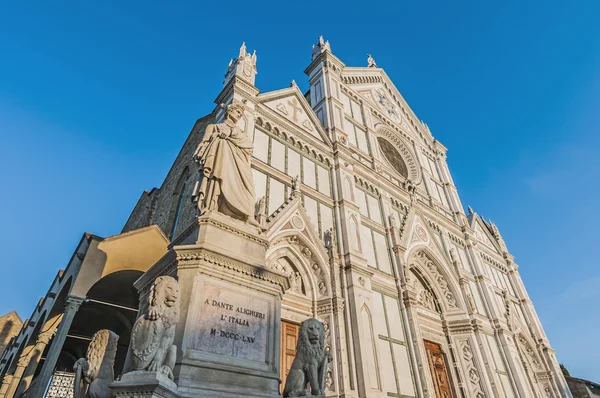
column 96, row 99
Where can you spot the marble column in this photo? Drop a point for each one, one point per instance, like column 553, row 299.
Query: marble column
column 34, row 359
column 71, row 306
column 5, row 383
column 16, row 377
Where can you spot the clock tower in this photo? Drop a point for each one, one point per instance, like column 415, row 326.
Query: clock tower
column 244, row 66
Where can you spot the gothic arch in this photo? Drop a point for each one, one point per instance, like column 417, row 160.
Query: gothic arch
column 425, row 294
column 349, row 188
column 370, row 347
column 354, row 234
column 441, row 282
column 177, row 199
column 531, row 363
column 307, row 259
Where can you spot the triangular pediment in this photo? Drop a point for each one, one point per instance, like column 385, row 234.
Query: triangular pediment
column 292, row 217
column 419, row 233
column 290, row 105
column 374, row 86
column 483, row 234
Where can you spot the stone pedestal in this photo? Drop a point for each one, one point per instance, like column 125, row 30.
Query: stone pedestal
column 143, row 384
column 229, row 331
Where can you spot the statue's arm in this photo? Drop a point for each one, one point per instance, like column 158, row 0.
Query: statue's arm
column 208, row 133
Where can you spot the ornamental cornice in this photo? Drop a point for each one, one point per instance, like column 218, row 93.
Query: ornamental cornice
column 462, row 326
column 388, row 290
column 366, row 185
column 239, row 86
column 348, row 78
column 190, row 259
column 211, row 221
column 434, row 226
column 456, row 240
column 493, row 262
column 285, row 132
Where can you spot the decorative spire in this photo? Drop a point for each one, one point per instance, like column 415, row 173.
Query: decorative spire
column 371, row 62
column 497, row 235
column 293, row 83
column 321, row 47
column 243, row 66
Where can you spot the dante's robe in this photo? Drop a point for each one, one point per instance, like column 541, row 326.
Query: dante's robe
column 227, row 172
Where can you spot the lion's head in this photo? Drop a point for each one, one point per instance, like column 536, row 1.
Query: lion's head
column 164, row 299
column 312, row 338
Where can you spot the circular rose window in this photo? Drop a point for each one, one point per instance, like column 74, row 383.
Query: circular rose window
column 393, row 156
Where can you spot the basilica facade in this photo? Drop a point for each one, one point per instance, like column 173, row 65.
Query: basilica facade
column 418, row 298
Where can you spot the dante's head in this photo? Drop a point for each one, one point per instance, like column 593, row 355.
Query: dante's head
column 235, row 111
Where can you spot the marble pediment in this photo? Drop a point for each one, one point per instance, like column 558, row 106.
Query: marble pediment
column 291, row 105
column 375, row 87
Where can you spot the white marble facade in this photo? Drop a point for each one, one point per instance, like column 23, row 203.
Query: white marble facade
column 409, row 265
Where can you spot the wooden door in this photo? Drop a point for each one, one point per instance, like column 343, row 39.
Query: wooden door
column 289, row 338
column 439, row 370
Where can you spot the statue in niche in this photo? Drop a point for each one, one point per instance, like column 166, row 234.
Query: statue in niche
column 309, row 368
column 95, row 372
column 224, row 159
column 151, row 348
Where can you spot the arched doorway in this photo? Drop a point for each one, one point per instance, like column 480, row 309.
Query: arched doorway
column 431, row 295
column 298, row 257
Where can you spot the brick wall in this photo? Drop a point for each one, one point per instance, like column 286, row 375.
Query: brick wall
column 158, row 205
column 10, row 325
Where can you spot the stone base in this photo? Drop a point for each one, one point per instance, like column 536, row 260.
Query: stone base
column 229, row 330
column 144, row 384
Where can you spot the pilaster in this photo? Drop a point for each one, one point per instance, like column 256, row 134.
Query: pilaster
column 72, row 305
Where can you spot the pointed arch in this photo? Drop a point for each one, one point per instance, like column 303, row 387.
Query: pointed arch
column 177, row 199
column 370, row 348
column 307, row 260
column 354, row 233
column 426, row 294
column 349, row 188
column 442, row 283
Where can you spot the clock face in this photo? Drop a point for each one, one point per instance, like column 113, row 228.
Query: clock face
column 247, row 69
column 387, row 105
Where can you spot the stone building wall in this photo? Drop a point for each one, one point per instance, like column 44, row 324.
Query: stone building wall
column 10, row 325
column 158, row 206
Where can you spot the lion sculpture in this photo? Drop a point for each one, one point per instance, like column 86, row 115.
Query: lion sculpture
column 151, row 348
column 310, row 364
column 95, row 372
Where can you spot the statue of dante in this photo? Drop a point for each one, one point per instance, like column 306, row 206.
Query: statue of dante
column 224, row 159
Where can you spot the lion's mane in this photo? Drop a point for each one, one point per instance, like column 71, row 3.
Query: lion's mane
column 304, row 345
column 102, row 348
column 169, row 315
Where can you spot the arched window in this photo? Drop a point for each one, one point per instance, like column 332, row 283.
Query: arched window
column 177, row 203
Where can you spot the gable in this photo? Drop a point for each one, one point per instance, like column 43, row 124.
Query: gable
column 484, row 236
column 420, row 234
column 291, row 105
column 374, row 86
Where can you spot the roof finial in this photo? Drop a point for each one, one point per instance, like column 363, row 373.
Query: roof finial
column 322, row 45
column 371, row 62
column 243, row 50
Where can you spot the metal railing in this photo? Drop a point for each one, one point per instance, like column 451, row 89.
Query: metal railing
column 61, row 386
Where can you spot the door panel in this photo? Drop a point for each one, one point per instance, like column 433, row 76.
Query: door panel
column 289, row 338
column 439, row 371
